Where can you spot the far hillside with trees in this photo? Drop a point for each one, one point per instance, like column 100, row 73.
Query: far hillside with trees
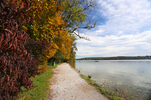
column 116, row 58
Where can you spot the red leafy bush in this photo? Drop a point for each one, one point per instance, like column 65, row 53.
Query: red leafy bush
column 37, row 48
column 16, row 64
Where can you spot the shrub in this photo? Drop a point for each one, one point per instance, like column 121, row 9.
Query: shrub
column 38, row 49
column 16, row 64
column 42, row 68
column 89, row 76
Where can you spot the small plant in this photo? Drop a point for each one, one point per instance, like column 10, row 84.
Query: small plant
column 89, row 76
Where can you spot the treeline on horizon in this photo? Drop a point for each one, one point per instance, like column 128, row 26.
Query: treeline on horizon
column 116, row 58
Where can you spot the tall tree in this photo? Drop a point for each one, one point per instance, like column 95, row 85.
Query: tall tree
column 48, row 26
column 73, row 51
column 75, row 14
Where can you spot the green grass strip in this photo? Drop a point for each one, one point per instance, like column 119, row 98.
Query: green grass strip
column 107, row 93
column 41, row 84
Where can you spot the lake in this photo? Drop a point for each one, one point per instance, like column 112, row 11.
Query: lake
column 128, row 78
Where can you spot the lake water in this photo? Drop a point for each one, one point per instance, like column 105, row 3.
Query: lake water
column 128, row 78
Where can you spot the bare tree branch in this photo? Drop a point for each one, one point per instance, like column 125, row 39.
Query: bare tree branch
column 81, row 37
column 85, row 27
column 74, row 16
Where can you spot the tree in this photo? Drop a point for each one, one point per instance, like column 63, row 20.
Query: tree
column 73, row 51
column 74, row 14
column 48, row 28
column 47, row 25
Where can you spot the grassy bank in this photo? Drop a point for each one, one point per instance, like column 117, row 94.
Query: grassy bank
column 41, row 84
column 107, row 93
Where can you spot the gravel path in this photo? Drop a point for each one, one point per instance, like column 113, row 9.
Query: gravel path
column 66, row 84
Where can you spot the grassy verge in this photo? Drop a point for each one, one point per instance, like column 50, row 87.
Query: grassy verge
column 41, row 84
column 51, row 67
column 107, row 93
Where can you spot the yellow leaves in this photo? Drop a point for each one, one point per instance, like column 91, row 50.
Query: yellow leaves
column 42, row 67
column 24, row 28
column 46, row 4
column 48, row 25
column 61, row 7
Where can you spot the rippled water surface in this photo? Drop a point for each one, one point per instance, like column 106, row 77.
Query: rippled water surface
column 125, row 77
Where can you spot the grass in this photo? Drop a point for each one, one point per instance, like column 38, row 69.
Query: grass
column 51, row 67
column 41, row 84
column 107, row 93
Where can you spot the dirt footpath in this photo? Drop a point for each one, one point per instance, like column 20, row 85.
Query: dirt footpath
column 66, row 84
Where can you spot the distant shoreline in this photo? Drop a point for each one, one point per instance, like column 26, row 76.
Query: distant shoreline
column 117, row 58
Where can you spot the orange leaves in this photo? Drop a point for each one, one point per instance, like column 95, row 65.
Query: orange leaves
column 40, row 9
column 42, row 67
column 47, row 25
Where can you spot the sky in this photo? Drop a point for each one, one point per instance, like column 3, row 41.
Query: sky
column 123, row 29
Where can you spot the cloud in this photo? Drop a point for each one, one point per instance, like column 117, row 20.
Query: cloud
column 126, row 29
column 114, row 45
column 127, row 16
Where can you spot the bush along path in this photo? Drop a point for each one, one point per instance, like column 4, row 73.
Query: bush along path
column 66, row 84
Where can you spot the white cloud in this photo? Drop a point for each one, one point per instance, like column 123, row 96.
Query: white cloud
column 127, row 30
column 126, row 16
column 113, row 45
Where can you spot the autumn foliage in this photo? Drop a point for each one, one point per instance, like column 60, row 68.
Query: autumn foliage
column 16, row 64
column 38, row 50
column 31, row 32
column 47, row 27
